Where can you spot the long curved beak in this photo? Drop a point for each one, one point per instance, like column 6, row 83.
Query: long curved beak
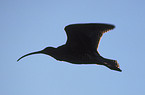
column 29, row 54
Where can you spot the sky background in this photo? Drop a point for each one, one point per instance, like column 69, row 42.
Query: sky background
column 32, row 25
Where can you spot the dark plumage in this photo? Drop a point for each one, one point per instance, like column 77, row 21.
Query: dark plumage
column 81, row 46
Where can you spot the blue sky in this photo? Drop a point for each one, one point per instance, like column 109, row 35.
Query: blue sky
column 31, row 25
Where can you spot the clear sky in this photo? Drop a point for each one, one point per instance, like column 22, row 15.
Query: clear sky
column 32, row 25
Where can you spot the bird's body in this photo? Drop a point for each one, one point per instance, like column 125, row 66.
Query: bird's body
column 64, row 53
column 81, row 46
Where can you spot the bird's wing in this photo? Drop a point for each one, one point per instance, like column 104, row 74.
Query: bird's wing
column 86, row 36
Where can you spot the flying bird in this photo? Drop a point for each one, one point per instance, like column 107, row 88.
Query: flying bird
column 81, row 46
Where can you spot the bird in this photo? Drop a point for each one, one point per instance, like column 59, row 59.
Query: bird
column 81, row 46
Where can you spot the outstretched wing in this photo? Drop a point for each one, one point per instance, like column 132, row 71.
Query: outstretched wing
column 86, row 36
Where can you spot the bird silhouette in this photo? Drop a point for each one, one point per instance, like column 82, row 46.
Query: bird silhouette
column 81, row 46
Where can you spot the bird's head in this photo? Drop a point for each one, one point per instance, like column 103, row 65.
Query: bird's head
column 112, row 64
column 48, row 51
